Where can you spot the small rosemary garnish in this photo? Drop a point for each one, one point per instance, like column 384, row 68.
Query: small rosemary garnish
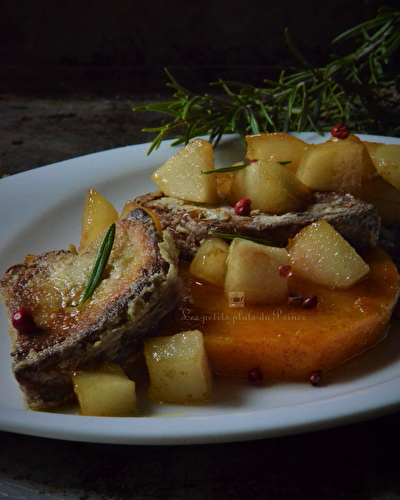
column 358, row 89
column 234, row 168
column 225, row 170
column 99, row 264
column 248, row 238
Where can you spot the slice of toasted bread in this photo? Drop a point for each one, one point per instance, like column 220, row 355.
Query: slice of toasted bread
column 140, row 285
column 358, row 222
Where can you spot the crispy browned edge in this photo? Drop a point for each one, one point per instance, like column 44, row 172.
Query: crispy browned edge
column 44, row 375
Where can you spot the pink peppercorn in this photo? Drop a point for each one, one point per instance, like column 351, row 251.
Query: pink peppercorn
column 255, row 376
column 340, row 131
column 284, row 271
column 243, row 207
column 309, row 302
column 315, row 378
column 23, row 321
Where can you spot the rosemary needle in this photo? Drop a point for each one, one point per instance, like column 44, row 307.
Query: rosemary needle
column 225, row 170
column 234, row 168
column 99, row 264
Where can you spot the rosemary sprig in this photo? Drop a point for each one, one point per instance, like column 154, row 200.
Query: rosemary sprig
column 351, row 89
column 235, row 168
column 225, row 170
column 248, row 238
column 99, row 264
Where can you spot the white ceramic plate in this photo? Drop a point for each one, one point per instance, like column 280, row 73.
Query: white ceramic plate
column 41, row 211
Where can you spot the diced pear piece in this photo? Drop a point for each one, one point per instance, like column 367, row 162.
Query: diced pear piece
column 98, row 214
column 271, row 187
column 336, row 165
column 385, row 198
column 253, row 269
column 352, row 138
column 321, row 255
column 105, row 392
column 371, row 148
column 178, row 368
column 181, row 175
column 209, row 262
column 276, row 146
column 386, row 158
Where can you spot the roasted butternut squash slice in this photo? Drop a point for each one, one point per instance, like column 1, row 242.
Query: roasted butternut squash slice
column 286, row 341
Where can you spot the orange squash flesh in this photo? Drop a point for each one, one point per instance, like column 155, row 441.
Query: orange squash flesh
column 286, row 341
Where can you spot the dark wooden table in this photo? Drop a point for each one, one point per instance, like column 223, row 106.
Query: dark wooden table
column 356, row 461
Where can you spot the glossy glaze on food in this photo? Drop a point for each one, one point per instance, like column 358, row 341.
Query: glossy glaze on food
column 139, row 286
column 286, row 341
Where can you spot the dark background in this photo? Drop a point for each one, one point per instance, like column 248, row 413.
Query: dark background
column 105, row 47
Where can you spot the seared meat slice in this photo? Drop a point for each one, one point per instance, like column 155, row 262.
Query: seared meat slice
column 140, row 285
column 190, row 223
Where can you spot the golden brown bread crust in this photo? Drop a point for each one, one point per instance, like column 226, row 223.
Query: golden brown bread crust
column 140, row 285
column 189, row 223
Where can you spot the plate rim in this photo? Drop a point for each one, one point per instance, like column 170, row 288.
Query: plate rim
column 185, row 429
